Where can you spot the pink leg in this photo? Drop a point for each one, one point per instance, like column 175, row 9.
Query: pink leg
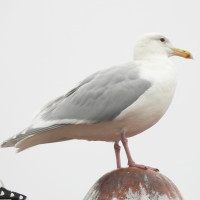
column 117, row 153
column 131, row 163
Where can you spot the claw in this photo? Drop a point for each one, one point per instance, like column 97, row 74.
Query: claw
column 143, row 167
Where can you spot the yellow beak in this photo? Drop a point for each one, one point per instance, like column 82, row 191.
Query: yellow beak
column 182, row 53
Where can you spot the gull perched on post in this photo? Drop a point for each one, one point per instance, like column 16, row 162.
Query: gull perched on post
column 112, row 104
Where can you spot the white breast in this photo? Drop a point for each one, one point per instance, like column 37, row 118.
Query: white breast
column 152, row 105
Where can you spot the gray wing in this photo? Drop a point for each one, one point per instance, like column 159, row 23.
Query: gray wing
column 100, row 97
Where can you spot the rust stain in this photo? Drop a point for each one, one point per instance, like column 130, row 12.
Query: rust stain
column 135, row 182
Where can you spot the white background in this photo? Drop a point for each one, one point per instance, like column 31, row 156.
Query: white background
column 47, row 47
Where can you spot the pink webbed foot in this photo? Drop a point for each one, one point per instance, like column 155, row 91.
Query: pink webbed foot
column 131, row 163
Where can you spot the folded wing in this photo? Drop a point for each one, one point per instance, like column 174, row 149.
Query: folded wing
column 100, row 97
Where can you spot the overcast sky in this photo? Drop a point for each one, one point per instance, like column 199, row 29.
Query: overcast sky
column 47, row 47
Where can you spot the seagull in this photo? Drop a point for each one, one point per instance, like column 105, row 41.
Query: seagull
column 112, row 104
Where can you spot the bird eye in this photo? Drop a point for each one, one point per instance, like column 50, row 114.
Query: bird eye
column 162, row 39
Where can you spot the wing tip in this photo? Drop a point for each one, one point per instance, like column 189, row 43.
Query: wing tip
column 5, row 144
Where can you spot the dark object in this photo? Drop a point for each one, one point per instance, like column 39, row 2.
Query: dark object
column 133, row 184
column 7, row 194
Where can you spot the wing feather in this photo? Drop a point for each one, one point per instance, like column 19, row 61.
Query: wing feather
column 100, row 97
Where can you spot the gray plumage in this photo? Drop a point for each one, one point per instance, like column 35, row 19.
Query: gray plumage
column 100, row 97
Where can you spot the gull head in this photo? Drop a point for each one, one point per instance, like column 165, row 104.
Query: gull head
column 157, row 45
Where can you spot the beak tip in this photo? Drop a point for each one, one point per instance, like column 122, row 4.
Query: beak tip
column 182, row 53
column 190, row 57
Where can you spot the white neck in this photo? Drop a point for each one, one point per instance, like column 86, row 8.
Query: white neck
column 147, row 56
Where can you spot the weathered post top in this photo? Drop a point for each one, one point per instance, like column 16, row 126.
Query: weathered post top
column 133, row 184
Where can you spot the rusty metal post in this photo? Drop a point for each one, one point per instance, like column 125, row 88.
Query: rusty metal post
column 133, row 184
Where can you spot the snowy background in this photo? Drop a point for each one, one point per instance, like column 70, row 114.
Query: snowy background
column 47, row 47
